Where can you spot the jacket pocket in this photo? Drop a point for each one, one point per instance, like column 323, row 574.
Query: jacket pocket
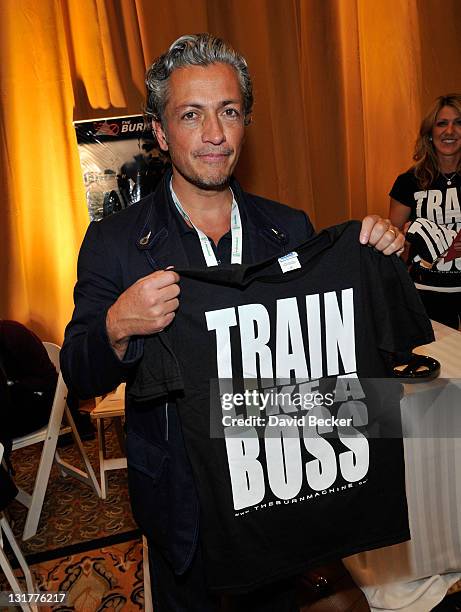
column 148, row 481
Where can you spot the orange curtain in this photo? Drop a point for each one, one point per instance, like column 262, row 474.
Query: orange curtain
column 340, row 87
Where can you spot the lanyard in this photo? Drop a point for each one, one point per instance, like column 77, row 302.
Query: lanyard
column 207, row 249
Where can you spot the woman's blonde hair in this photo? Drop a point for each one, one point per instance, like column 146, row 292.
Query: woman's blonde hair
column 427, row 167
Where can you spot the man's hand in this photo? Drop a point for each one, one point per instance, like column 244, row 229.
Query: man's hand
column 381, row 234
column 147, row 307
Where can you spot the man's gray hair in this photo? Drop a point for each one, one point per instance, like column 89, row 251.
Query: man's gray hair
column 193, row 50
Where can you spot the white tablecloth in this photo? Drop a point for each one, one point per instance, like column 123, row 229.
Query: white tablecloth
column 414, row 576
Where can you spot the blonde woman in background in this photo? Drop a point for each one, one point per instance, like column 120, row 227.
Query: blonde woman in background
column 428, row 196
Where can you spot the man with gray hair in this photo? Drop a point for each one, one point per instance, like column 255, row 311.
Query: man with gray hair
column 199, row 100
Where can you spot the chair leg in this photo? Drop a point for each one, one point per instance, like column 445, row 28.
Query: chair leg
column 44, row 469
column 40, row 486
column 119, row 431
column 102, row 457
column 88, row 476
column 8, row 570
column 46, row 461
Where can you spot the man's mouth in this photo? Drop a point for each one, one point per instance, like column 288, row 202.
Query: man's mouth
column 213, row 153
column 213, row 157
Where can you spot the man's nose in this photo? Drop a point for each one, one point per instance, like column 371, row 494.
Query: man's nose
column 213, row 130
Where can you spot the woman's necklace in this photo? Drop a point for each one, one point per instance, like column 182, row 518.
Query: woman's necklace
column 449, row 179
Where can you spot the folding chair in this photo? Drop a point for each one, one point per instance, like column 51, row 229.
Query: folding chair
column 112, row 406
column 49, row 435
column 5, row 530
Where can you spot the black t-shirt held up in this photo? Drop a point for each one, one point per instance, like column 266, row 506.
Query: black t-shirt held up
column 296, row 455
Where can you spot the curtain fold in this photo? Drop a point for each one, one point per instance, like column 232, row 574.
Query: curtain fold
column 390, row 67
column 340, row 87
column 43, row 213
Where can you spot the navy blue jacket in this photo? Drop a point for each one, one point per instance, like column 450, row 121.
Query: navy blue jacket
column 115, row 253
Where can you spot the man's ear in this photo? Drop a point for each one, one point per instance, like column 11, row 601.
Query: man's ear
column 160, row 135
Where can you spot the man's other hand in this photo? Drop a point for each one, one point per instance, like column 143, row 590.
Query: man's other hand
column 381, row 234
column 147, row 307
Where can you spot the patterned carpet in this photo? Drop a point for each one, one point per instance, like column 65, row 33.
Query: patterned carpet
column 72, row 513
column 88, row 547
column 108, row 578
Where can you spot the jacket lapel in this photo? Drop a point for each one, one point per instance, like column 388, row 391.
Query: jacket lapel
column 156, row 235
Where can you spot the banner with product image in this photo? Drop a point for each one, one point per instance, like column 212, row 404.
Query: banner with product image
column 121, row 162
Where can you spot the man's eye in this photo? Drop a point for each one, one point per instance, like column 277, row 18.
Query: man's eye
column 231, row 112
column 189, row 115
